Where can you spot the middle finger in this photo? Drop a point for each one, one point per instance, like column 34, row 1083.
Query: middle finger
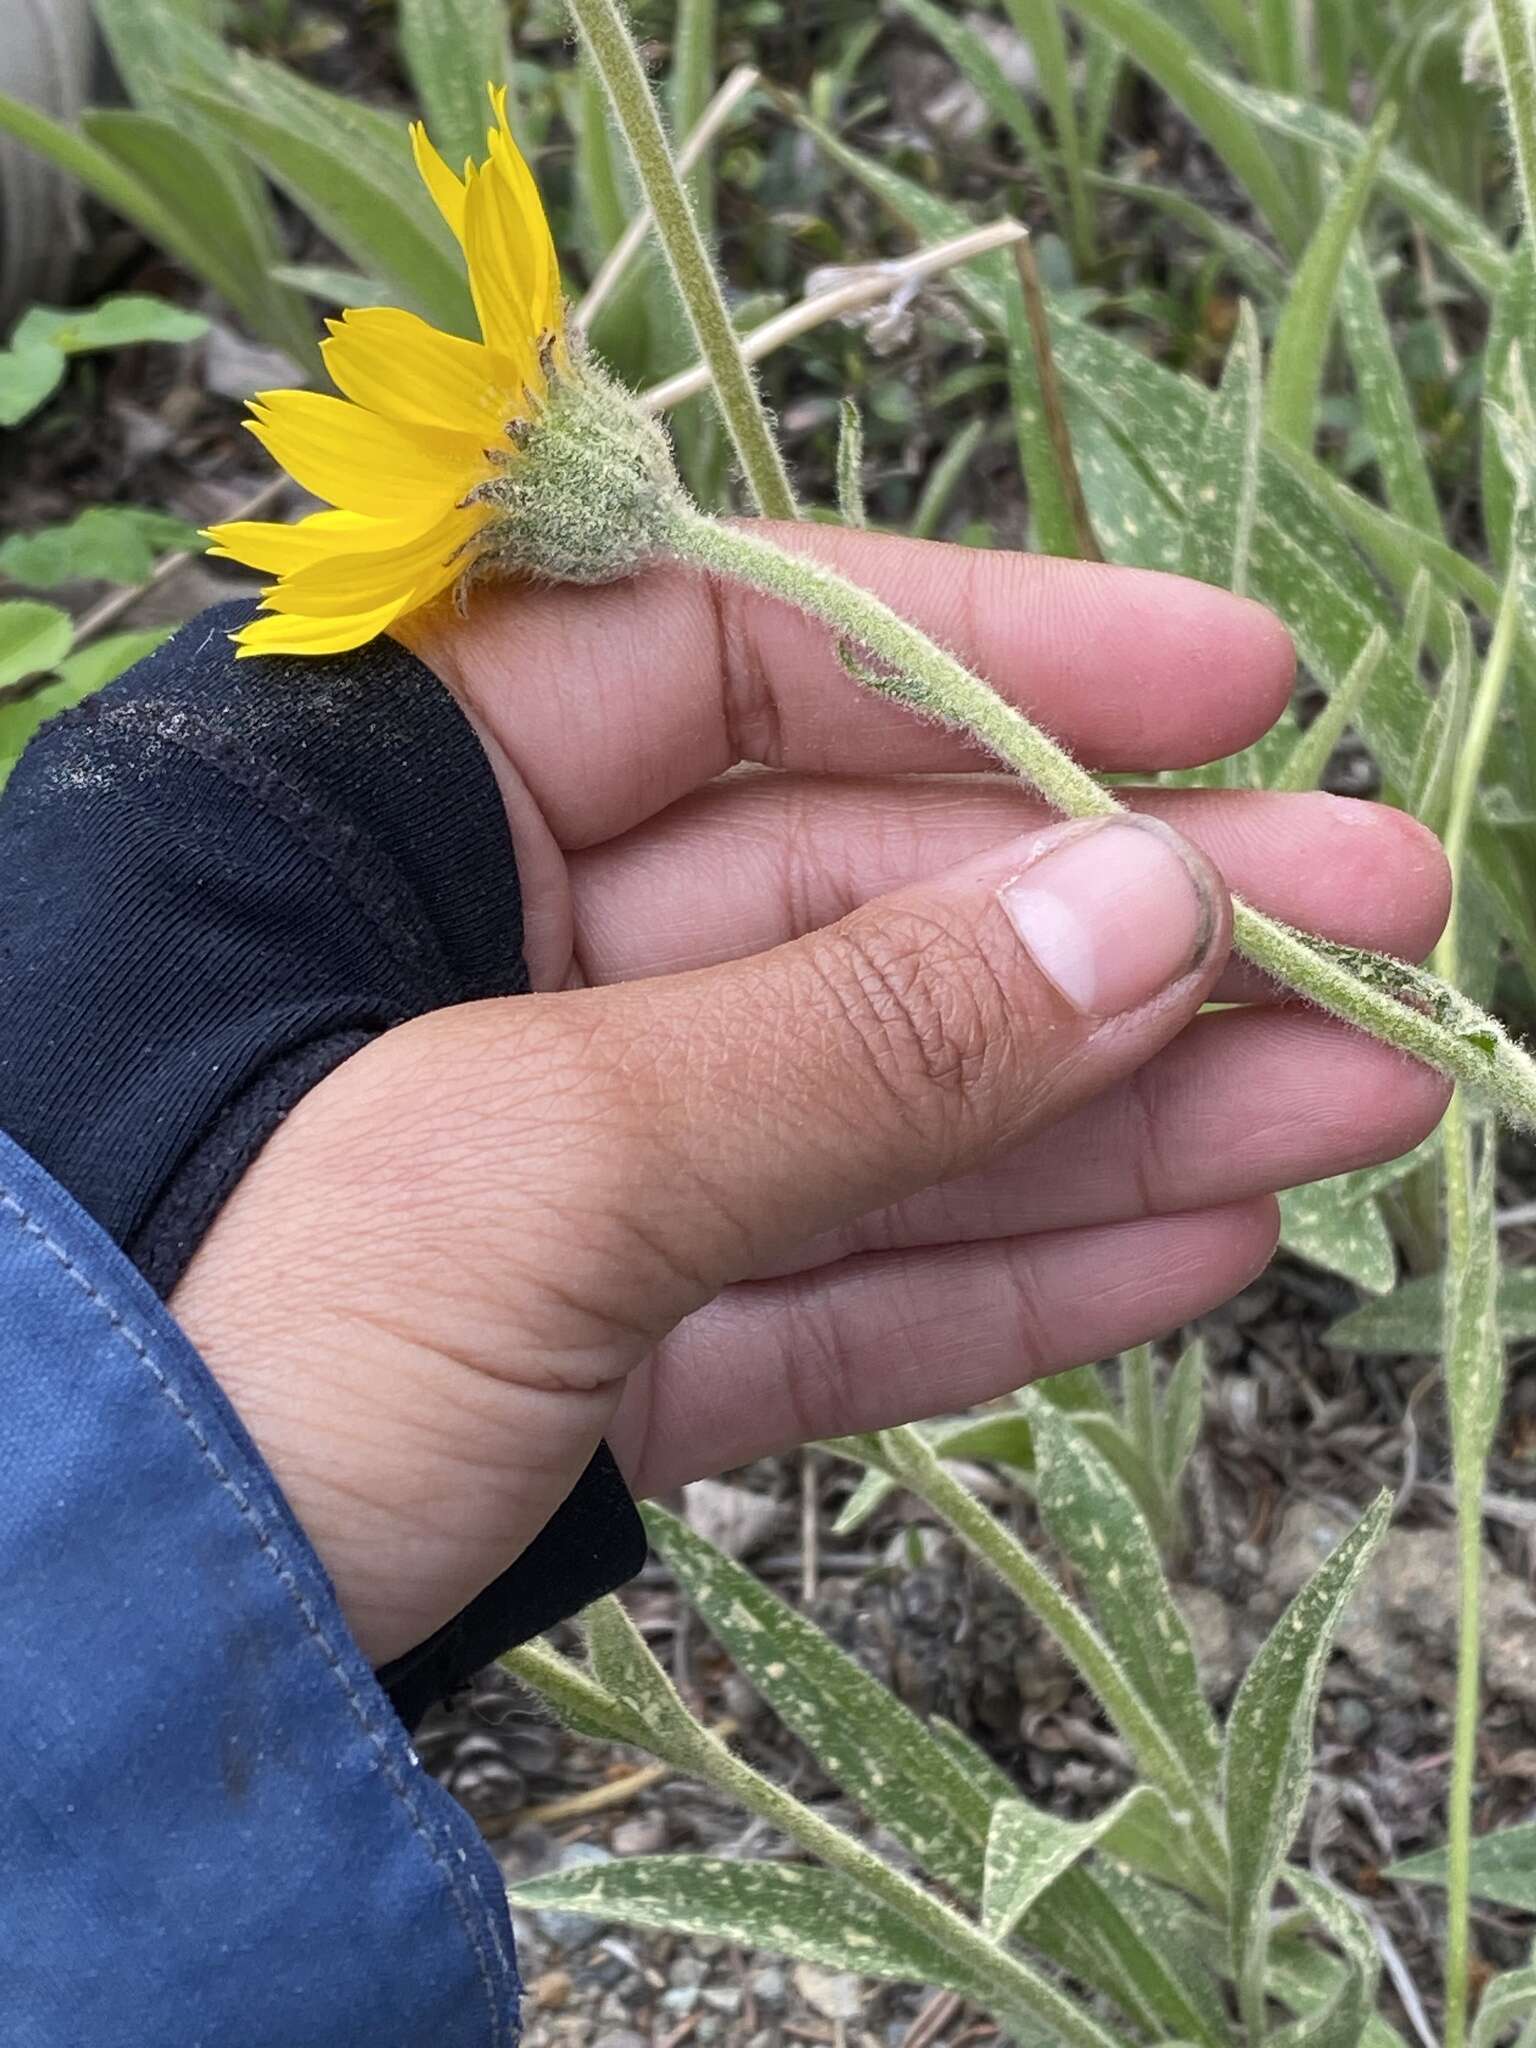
column 758, row 858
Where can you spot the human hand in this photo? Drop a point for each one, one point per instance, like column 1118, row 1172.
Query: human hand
column 851, row 1091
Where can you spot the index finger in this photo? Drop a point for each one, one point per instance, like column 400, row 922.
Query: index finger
column 611, row 703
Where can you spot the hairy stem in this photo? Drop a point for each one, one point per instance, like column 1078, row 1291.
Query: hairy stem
column 1401, row 1005
column 603, row 29
column 1469, row 1457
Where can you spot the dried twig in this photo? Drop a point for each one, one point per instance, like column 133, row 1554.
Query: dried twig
column 874, row 282
column 932, row 2020
column 1051, row 399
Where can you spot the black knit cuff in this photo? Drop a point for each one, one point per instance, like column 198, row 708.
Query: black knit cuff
column 221, row 878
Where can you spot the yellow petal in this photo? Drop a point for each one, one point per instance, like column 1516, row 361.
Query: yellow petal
column 355, row 460
column 280, row 547
column 446, row 189
column 396, row 365
column 345, row 582
column 492, row 232
column 539, row 272
column 281, row 635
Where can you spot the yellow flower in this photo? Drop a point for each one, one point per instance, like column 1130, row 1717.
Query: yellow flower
column 425, row 421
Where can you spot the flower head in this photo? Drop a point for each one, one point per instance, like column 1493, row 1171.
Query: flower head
column 427, row 426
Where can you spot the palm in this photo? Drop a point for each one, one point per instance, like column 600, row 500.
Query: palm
column 619, row 720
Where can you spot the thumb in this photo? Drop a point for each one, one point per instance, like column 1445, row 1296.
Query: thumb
column 924, row 1034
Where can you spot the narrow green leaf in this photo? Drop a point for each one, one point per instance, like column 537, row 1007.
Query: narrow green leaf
column 1474, row 1351
column 1306, row 325
column 30, row 373
column 101, row 174
column 1050, row 508
column 1330, row 1225
column 1156, row 46
column 945, row 478
column 453, row 50
column 1183, row 1411
column 1503, row 1866
column 222, row 215
column 689, row 88
column 1433, row 773
column 1384, row 396
column 1411, row 1321
column 1093, row 1519
column 1513, row 323
column 973, row 58
column 350, row 169
column 1003, row 1439
column 1510, row 1997
column 1470, row 244
column 218, row 201
column 1150, row 1931
column 1028, row 1848
column 1224, row 481
column 1311, row 754
column 873, row 1746
column 794, row 1909
column 1041, row 24
column 1138, row 1398
column 1340, row 2020
column 623, row 1666
column 1268, row 1750
column 333, row 284
column 850, row 464
column 1247, row 258
column 33, row 639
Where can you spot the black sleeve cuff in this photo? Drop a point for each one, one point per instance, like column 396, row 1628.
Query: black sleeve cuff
column 221, row 879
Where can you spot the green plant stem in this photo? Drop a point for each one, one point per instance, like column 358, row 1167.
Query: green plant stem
column 617, row 62
column 1397, row 1004
column 1456, row 1155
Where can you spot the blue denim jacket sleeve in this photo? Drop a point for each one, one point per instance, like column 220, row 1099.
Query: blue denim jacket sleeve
column 212, row 1825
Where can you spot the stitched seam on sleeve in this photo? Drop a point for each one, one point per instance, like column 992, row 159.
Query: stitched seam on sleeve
column 392, row 913
column 478, row 1921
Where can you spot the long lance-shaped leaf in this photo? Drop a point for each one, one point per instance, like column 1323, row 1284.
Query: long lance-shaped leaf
column 1508, row 1998
column 220, row 199
column 1028, row 1848
column 1305, row 564
column 1306, row 325
column 1429, row 787
column 1311, row 754
column 1267, row 1760
column 624, row 1668
column 453, row 49
column 1411, row 1321
column 875, row 1748
column 973, row 59
column 1513, row 323
column 1503, row 1866
column 349, row 167
column 1248, row 259
column 1384, row 396
column 1465, row 238
column 1157, row 47
column 1109, row 1928
column 1224, row 483
column 816, row 1916
column 1093, row 1519
column 1331, row 1225
column 1341, row 2020
column 1134, row 1716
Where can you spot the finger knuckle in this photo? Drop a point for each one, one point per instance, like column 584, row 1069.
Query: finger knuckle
column 919, row 1004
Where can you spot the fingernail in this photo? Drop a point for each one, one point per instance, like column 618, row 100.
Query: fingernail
column 1111, row 914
